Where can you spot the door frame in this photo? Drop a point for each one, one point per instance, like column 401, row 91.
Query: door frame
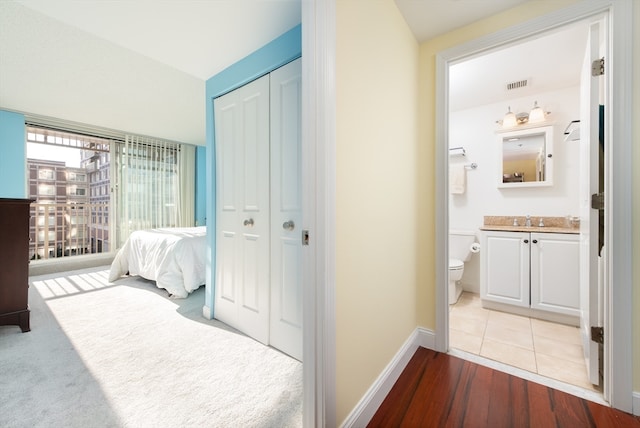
column 618, row 194
column 318, row 212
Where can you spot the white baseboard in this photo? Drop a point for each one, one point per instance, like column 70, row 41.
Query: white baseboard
column 361, row 415
column 206, row 312
column 636, row 403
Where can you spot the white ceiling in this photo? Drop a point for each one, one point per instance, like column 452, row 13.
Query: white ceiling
column 431, row 18
column 548, row 62
column 198, row 37
column 201, row 37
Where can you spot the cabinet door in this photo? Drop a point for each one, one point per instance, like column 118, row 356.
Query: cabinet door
column 505, row 268
column 555, row 273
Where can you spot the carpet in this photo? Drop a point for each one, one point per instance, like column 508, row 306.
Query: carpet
column 124, row 354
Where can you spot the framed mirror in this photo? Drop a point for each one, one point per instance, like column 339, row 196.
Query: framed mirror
column 526, row 157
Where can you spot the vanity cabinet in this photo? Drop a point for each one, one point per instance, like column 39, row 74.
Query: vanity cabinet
column 505, row 267
column 532, row 270
column 555, row 273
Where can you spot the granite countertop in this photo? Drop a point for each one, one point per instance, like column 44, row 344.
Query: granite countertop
column 551, row 224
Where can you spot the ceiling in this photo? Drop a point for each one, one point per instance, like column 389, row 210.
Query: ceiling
column 431, row 18
column 197, row 37
column 201, row 37
column 548, row 62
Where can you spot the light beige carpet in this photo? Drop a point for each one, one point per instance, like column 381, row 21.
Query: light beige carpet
column 123, row 354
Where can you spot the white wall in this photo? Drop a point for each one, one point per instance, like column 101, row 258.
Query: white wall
column 474, row 129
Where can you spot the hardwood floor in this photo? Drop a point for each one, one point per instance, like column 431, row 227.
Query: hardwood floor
column 439, row 390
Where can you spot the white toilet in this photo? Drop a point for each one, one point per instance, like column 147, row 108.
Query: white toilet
column 460, row 242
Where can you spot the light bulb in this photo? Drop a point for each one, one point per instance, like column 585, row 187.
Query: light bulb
column 537, row 114
column 509, row 119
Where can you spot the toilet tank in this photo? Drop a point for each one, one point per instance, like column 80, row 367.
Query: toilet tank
column 460, row 244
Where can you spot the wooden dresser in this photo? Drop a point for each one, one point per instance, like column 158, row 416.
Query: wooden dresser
column 14, row 262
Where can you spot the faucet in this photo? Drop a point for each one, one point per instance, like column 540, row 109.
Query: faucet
column 528, row 221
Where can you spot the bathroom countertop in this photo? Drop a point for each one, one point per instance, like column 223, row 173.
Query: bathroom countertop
column 544, row 229
column 551, row 224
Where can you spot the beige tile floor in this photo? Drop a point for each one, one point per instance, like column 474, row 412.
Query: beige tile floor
column 542, row 347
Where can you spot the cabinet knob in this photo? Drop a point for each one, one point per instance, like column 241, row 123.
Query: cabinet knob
column 535, row 241
column 526, row 241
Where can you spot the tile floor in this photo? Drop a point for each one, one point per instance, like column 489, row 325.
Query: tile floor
column 542, row 347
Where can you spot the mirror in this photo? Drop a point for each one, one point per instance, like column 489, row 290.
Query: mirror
column 526, row 157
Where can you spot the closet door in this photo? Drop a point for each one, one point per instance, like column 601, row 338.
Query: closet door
column 286, row 210
column 242, row 209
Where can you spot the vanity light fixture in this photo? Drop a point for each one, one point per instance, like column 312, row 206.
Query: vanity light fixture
column 512, row 120
column 537, row 114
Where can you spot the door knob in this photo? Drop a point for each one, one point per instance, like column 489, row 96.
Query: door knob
column 248, row 222
column 288, row 225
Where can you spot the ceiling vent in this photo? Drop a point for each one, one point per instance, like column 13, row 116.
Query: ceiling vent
column 517, row 84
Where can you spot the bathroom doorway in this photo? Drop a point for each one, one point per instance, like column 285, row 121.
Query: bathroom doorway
column 483, row 88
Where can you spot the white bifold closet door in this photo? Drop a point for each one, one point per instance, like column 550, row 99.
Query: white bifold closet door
column 258, row 209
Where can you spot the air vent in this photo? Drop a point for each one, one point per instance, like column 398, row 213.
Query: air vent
column 517, row 84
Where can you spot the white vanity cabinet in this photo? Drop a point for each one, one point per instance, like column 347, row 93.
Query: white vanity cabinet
column 555, row 272
column 505, row 267
column 539, row 271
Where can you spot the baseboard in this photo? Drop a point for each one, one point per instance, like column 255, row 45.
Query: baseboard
column 206, row 312
column 636, row 403
column 361, row 415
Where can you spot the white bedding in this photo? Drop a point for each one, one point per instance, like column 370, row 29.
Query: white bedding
column 173, row 257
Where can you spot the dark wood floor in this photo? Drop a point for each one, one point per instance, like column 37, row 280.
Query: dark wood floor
column 438, row 390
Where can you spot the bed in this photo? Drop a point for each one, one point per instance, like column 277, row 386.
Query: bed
column 172, row 257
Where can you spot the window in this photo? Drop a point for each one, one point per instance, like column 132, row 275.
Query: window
column 45, row 174
column 73, row 173
column 46, row 189
column 76, row 191
column 78, row 220
column 42, row 221
column 51, row 235
column 74, row 176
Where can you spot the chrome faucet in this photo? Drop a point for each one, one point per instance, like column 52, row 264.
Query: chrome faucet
column 528, row 221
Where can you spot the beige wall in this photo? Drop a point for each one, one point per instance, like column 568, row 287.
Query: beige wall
column 377, row 193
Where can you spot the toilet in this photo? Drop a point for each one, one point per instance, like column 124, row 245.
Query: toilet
column 460, row 243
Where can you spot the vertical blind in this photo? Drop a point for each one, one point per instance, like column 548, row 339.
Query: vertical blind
column 155, row 185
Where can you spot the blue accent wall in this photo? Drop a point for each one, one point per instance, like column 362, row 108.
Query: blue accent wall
column 13, row 158
column 275, row 54
column 201, row 185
